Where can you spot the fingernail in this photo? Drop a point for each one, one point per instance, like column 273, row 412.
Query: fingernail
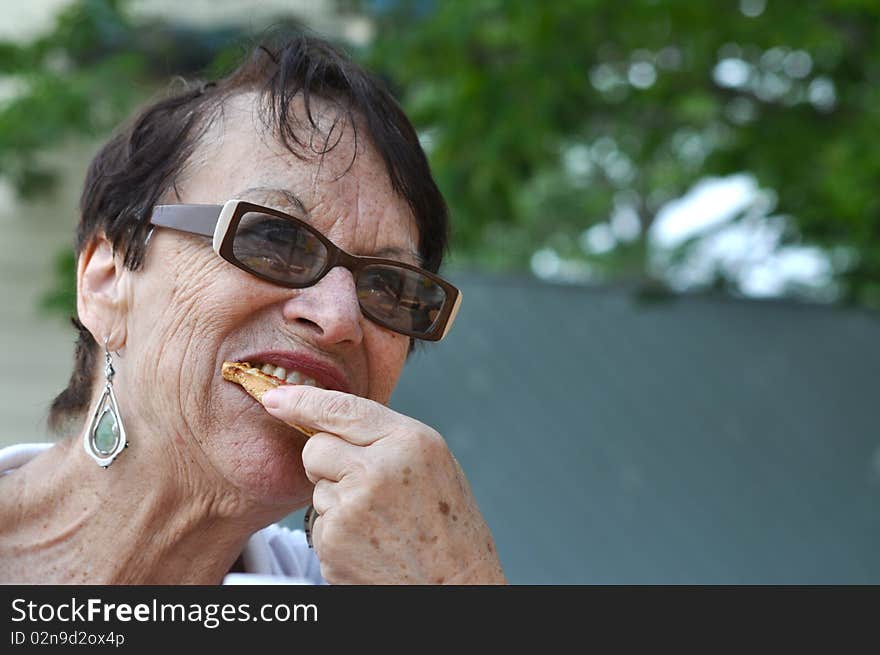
column 272, row 399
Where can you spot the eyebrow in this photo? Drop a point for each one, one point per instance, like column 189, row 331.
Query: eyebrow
column 290, row 198
column 391, row 252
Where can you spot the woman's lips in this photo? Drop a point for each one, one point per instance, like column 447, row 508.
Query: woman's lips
column 256, row 383
column 324, row 373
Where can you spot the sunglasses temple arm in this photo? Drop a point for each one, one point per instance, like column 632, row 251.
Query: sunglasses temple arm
column 195, row 219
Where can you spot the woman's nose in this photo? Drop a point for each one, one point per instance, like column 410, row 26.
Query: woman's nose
column 329, row 309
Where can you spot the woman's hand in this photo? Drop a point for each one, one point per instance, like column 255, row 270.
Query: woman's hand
column 394, row 504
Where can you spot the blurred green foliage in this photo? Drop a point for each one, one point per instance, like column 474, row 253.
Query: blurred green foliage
column 85, row 75
column 68, row 82
column 542, row 119
column 79, row 81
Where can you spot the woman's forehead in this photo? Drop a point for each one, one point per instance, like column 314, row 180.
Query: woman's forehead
column 240, row 157
column 239, row 142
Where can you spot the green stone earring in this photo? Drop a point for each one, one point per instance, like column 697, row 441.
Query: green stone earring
column 105, row 438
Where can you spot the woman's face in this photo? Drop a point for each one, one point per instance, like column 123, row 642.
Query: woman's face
column 190, row 311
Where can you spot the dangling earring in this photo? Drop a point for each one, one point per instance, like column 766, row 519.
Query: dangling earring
column 105, row 438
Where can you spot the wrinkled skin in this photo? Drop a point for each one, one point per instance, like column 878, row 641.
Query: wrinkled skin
column 394, row 504
column 218, row 312
column 208, row 465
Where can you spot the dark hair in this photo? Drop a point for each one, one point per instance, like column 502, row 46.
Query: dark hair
column 142, row 161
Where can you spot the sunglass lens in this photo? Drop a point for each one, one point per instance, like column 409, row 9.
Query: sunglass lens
column 278, row 248
column 400, row 298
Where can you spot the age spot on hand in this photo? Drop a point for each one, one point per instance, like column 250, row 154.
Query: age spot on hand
column 444, row 507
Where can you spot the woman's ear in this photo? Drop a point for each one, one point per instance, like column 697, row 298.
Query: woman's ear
column 101, row 292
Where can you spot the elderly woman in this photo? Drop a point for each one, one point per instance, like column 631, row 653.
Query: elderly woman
column 285, row 217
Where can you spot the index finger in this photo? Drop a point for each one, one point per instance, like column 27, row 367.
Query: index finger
column 357, row 420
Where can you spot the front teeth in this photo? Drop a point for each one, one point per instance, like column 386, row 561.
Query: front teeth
column 294, row 377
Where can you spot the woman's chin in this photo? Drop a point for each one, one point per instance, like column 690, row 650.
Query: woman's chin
column 267, row 466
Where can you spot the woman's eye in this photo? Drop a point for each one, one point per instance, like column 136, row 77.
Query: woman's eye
column 388, row 287
column 268, row 230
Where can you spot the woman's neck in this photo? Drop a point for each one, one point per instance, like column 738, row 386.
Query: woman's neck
column 63, row 519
